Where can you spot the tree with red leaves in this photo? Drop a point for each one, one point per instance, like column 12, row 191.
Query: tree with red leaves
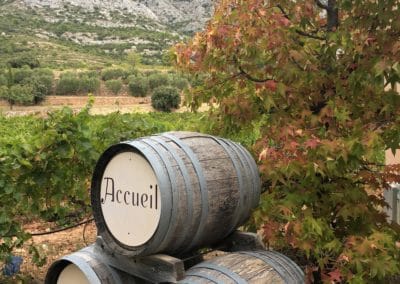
column 317, row 81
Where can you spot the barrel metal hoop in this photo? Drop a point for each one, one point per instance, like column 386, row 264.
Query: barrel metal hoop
column 174, row 190
column 89, row 254
column 186, row 178
column 249, row 194
column 276, row 264
column 240, row 208
column 204, row 276
column 288, row 261
column 235, row 277
column 253, row 167
column 85, row 268
column 203, row 186
column 166, row 206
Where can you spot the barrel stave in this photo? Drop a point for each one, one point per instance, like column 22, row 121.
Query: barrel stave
column 254, row 267
column 206, row 186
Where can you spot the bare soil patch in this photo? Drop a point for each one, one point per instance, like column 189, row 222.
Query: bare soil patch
column 53, row 246
column 102, row 105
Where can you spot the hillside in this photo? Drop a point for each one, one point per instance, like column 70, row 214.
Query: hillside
column 75, row 34
column 185, row 15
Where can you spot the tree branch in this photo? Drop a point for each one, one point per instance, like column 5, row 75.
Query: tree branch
column 243, row 73
column 321, row 5
column 283, row 11
column 333, row 15
column 251, row 78
column 297, row 64
column 303, row 33
column 300, row 32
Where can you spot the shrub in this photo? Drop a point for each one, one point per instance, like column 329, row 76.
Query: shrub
column 150, row 72
column 24, row 60
column 17, row 94
column 132, row 77
column 67, row 85
column 179, row 82
column 138, row 87
column 41, row 86
column 88, row 84
column 21, row 74
column 3, row 80
column 91, row 74
column 46, row 81
column 37, row 82
column 130, row 73
column 113, row 73
column 43, row 71
column 70, row 83
column 114, row 86
column 134, row 58
column 165, row 98
column 3, row 92
column 157, row 80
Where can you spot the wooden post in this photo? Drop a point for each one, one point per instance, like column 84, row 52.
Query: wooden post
column 392, row 195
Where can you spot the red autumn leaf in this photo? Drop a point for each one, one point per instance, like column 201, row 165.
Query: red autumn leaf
column 270, row 229
column 271, row 85
column 282, row 20
column 312, row 143
column 293, row 145
column 369, row 40
column 262, row 12
column 335, row 275
column 223, row 31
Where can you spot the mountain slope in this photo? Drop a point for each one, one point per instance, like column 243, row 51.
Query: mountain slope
column 191, row 15
column 109, row 29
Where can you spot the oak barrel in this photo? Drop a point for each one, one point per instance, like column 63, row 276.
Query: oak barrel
column 172, row 192
column 256, row 267
column 86, row 267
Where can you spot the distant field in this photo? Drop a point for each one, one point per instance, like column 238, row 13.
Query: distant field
column 102, row 105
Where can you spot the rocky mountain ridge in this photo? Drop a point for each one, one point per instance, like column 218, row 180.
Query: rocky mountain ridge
column 110, row 29
column 184, row 15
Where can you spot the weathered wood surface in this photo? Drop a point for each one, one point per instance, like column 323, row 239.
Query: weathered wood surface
column 152, row 269
column 213, row 184
column 90, row 265
column 264, row 267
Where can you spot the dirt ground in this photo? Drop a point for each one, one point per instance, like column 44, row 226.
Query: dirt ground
column 54, row 246
column 102, row 105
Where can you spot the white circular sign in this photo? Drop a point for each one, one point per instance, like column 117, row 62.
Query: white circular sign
column 130, row 199
column 72, row 275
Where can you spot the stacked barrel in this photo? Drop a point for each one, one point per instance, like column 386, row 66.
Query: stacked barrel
column 173, row 193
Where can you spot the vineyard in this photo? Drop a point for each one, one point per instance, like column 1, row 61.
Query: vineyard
column 47, row 163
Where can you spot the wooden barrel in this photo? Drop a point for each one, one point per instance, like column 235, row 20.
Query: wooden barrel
column 172, row 192
column 86, row 267
column 257, row 267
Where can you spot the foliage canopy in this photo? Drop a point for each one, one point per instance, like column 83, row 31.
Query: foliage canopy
column 319, row 80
